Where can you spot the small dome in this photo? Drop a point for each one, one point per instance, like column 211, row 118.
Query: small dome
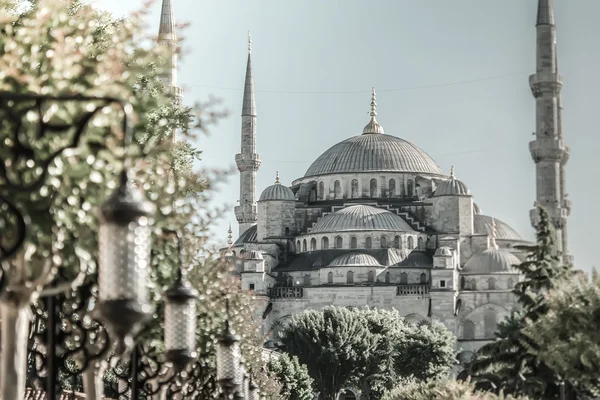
column 452, row 187
column 361, row 218
column 444, row 251
column 482, row 224
column 476, row 209
column 491, row 261
column 249, row 236
column 355, row 260
column 417, row 259
column 277, row 192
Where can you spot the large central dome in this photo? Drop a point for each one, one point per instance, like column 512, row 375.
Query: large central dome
column 373, row 153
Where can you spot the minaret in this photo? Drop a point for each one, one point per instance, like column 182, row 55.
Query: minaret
column 168, row 36
column 549, row 150
column 247, row 160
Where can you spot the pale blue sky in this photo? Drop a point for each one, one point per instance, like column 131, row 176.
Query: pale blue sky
column 315, row 62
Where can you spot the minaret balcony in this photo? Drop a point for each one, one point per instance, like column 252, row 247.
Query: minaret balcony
column 246, row 213
column 549, row 150
column 558, row 215
column 545, row 82
column 248, row 162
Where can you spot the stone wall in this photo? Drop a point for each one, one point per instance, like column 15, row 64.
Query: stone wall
column 276, row 219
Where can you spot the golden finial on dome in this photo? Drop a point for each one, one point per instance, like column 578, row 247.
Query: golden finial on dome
column 277, row 178
column 452, row 173
column 249, row 43
column 373, row 126
column 229, row 236
column 494, row 233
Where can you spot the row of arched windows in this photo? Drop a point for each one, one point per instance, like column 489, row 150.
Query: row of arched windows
column 339, row 243
column 373, row 186
column 370, row 278
column 490, row 324
column 492, row 284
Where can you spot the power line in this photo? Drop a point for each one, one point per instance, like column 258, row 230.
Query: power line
column 368, row 91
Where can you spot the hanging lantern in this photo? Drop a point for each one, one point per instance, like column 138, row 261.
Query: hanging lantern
column 253, row 393
column 245, row 392
column 124, row 261
column 228, row 360
column 180, row 322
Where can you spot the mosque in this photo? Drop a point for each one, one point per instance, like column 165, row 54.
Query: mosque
column 375, row 222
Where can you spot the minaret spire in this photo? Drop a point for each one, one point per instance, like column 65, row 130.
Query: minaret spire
column 549, row 150
column 248, row 161
column 373, row 126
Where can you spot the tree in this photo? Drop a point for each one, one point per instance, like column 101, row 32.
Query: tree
column 440, row 389
column 334, row 343
column 510, row 363
column 296, row 383
column 567, row 337
column 69, row 48
column 368, row 349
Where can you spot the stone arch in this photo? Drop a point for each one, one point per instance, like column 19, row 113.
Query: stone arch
column 468, row 329
column 280, row 324
column 243, row 254
column 397, row 242
column 337, row 189
column 348, row 394
column 304, row 247
column 373, row 187
column 330, row 277
column 410, row 188
column 321, row 191
column 465, row 357
column 411, row 243
column 510, row 283
column 491, row 283
column 324, row 243
column 371, row 276
column 414, row 318
column 392, row 187
column 368, row 243
column 353, row 242
column 339, row 242
column 387, row 277
column 313, row 244
column 298, row 248
column 350, row 277
column 404, row 278
column 354, row 188
column 490, row 322
column 307, row 280
column 423, row 278
column 420, row 244
column 383, row 242
column 233, row 253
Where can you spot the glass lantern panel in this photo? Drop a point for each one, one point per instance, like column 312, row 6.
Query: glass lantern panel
column 180, row 326
column 228, row 361
column 124, row 258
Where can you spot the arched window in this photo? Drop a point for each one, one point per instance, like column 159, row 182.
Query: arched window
column 330, row 277
column 489, row 323
column 383, row 242
column 423, row 278
column 371, row 276
column 307, row 280
column 463, row 284
column 373, row 187
column 420, row 244
column 298, row 246
column 368, row 243
column 350, row 277
column 243, row 254
column 404, row 278
column 353, row 242
column 324, row 243
column 287, row 231
column 313, row 244
column 397, row 242
column 339, row 243
column 354, row 189
column 473, row 284
column 392, row 188
column 409, row 188
column 491, row 284
column 337, row 189
column 321, row 193
column 304, row 245
column 411, row 243
column 387, row 277
column 510, row 284
column 468, row 330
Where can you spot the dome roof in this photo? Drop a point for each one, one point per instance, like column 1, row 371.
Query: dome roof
column 249, row 236
column 491, row 261
column 482, row 224
column 444, row 251
column 452, row 187
column 361, row 218
column 277, row 192
column 355, row 260
column 417, row 259
column 373, row 152
column 476, row 208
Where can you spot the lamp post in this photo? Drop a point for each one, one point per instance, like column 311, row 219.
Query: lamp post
column 228, row 360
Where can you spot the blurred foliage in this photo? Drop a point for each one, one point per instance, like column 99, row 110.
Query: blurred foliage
column 296, row 383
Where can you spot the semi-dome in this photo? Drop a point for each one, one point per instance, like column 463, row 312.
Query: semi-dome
column 452, row 187
column 483, row 224
column 444, row 251
column 361, row 218
column 355, row 260
column 491, row 261
column 277, row 192
column 476, row 208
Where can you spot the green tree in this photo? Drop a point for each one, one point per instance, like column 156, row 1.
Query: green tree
column 510, row 363
column 296, row 383
column 567, row 337
column 440, row 389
